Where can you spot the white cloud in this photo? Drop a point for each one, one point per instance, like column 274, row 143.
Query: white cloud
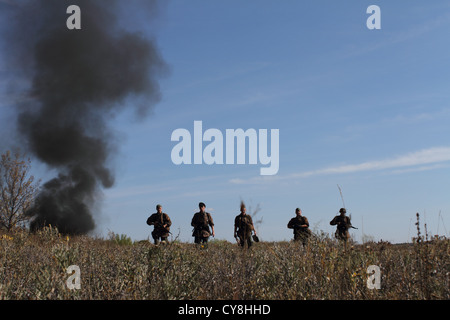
column 428, row 157
column 411, row 33
column 420, row 168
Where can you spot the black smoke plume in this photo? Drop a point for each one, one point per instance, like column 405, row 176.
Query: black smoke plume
column 79, row 80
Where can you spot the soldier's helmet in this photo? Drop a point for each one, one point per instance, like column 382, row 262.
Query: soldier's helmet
column 342, row 210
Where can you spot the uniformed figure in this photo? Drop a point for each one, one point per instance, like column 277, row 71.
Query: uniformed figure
column 201, row 221
column 243, row 227
column 161, row 223
column 300, row 225
column 342, row 222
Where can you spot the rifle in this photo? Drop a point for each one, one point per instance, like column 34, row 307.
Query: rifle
column 158, row 224
column 299, row 226
column 347, row 225
column 350, row 222
column 342, row 197
column 343, row 203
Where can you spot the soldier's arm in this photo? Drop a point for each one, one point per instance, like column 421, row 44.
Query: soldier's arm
column 211, row 224
column 210, row 220
column 251, row 223
column 291, row 224
column 306, row 225
column 150, row 220
column 168, row 221
column 333, row 222
column 348, row 222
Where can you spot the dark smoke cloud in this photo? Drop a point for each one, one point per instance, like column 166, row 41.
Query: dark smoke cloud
column 79, row 80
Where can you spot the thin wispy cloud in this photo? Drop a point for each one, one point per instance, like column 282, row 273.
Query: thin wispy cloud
column 175, row 187
column 421, row 168
column 427, row 156
column 421, row 118
column 413, row 161
column 411, row 33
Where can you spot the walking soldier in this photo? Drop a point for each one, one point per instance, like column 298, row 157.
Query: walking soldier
column 243, row 227
column 161, row 223
column 300, row 225
column 342, row 223
column 201, row 221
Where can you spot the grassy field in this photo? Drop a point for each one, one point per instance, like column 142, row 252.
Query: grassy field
column 33, row 266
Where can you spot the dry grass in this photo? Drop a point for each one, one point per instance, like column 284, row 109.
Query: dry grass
column 33, row 266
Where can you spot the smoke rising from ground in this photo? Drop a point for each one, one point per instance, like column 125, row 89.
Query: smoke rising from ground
column 79, row 80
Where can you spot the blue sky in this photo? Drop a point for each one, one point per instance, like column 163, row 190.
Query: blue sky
column 365, row 109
